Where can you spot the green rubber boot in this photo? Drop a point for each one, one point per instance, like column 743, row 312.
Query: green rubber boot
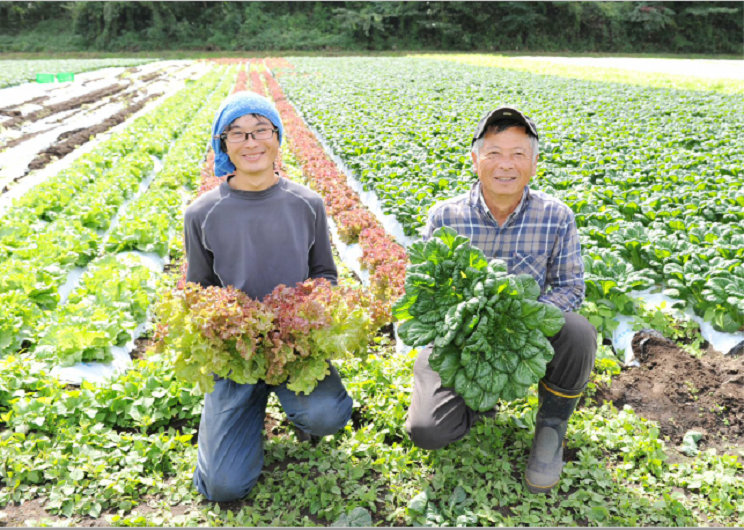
column 546, row 456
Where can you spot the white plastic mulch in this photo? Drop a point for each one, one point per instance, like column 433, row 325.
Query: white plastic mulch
column 97, row 372
column 36, row 177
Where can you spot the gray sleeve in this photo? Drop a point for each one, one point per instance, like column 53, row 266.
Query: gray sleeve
column 321, row 256
column 200, row 260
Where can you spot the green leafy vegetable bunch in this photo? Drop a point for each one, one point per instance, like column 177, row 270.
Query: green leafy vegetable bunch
column 488, row 329
column 288, row 337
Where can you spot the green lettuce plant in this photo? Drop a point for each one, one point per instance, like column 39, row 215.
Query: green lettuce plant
column 288, row 337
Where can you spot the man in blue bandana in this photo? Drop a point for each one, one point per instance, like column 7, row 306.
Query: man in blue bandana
column 255, row 231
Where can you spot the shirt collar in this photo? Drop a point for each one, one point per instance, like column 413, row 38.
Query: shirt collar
column 476, row 198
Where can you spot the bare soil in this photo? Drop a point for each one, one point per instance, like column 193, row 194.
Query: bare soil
column 683, row 393
column 14, row 113
column 73, row 139
column 70, row 104
column 141, row 346
column 32, row 509
column 150, row 77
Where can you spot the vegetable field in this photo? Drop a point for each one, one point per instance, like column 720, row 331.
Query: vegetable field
column 99, row 427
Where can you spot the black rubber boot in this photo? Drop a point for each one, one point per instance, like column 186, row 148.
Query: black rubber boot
column 546, row 456
column 480, row 416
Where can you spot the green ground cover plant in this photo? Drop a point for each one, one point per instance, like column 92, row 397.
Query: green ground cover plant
column 98, row 452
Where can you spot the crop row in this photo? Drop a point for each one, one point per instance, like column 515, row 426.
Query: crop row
column 153, row 223
column 653, row 175
column 381, row 255
column 70, row 232
column 75, row 447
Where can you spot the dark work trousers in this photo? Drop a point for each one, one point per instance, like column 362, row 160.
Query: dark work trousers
column 439, row 416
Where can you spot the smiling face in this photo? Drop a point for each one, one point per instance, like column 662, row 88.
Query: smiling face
column 253, row 158
column 505, row 165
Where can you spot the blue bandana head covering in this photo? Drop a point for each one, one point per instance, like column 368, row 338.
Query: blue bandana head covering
column 235, row 106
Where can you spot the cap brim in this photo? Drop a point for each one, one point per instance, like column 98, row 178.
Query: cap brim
column 505, row 113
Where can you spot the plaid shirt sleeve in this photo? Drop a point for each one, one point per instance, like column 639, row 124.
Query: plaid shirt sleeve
column 565, row 274
column 433, row 221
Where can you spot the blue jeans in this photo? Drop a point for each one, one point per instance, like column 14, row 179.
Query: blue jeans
column 231, row 455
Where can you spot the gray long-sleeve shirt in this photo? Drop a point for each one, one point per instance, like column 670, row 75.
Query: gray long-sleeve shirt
column 258, row 240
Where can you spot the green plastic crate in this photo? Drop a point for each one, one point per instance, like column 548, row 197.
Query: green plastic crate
column 45, row 78
column 66, row 76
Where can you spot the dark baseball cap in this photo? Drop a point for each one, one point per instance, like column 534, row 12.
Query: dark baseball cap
column 504, row 113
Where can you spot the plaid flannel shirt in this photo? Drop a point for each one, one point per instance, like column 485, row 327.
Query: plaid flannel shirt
column 539, row 238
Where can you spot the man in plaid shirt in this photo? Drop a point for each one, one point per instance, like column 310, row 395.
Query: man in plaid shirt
column 534, row 234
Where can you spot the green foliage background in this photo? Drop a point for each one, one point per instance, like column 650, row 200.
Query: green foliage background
column 619, row 27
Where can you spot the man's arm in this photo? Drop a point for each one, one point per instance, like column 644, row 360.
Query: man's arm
column 321, row 256
column 565, row 274
column 200, row 260
column 433, row 221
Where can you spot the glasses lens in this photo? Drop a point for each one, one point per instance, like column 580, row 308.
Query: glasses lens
column 263, row 134
column 235, row 137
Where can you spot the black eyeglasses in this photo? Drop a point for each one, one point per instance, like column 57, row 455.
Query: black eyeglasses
column 236, row 137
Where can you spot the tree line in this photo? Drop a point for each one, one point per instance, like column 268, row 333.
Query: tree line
column 618, row 27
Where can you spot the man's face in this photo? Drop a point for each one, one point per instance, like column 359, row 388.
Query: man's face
column 504, row 164
column 253, row 156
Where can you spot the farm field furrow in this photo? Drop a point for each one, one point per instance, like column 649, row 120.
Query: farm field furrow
column 41, row 133
column 656, row 187
column 46, row 235
column 30, row 97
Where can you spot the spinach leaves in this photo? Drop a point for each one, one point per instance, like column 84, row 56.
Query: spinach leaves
column 488, row 329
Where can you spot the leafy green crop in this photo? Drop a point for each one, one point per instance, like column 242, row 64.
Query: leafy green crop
column 487, row 326
column 56, row 225
column 17, row 320
column 150, row 224
column 653, row 181
column 290, row 336
column 113, row 297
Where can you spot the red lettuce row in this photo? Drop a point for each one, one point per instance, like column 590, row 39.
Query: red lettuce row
column 382, row 256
